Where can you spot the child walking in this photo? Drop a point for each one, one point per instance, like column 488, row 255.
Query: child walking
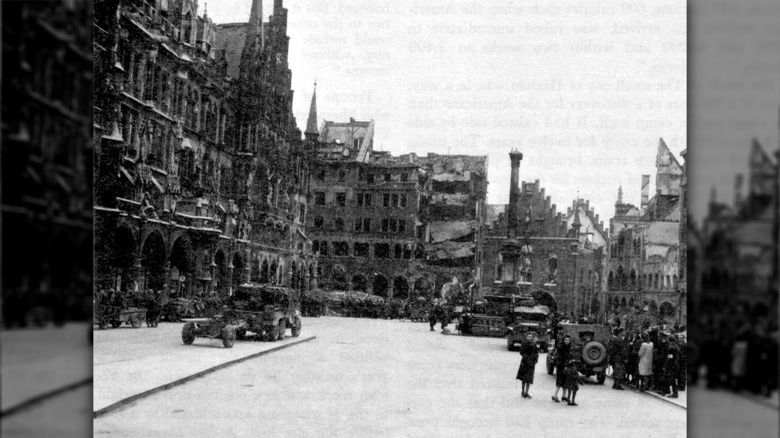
column 572, row 383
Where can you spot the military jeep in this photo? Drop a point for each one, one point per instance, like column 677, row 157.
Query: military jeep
column 588, row 348
column 528, row 319
column 266, row 311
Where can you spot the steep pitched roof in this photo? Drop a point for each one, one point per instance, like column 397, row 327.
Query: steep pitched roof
column 311, row 123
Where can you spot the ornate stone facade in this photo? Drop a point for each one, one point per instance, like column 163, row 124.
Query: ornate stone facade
column 202, row 177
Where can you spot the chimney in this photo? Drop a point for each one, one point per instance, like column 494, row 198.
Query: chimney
column 514, row 193
column 739, row 179
column 645, row 192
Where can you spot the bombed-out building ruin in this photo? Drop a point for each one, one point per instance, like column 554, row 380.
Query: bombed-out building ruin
column 453, row 215
column 364, row 211
column 644, row 245
column 391, row 225
column 201, row 177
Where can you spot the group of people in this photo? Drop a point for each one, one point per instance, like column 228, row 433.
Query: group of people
column 392, row 308
column 651, row 360
column 739, row 352
column 567, row 377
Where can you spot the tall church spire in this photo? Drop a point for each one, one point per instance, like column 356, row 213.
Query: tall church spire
column 311, row 132
column 254, row 31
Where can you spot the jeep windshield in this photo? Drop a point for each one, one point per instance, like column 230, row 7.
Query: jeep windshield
column 255, row 299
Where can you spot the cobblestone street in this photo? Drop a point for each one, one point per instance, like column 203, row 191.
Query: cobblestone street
column 364, row 377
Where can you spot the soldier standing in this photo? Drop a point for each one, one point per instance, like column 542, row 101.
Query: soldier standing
column 671, row 367
column 432, row 313
column 617, row 349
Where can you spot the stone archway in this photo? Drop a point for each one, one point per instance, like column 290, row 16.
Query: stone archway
column 380, row 285
column 123, row 259
column 222, row 273
column 182, row 267
column 273, row 273
column 339, row 278
column 400, row 288
column 153, row 262
column 653, row 307
column 667, row 310
column 255, row 269
column 238, row 270
column 623, row 303
column 423, row 287
column 264, row 273
column 611, row 281
column 359, row 283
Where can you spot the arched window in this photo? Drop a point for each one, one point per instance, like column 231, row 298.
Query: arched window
column 552, row 266
column 187, row 28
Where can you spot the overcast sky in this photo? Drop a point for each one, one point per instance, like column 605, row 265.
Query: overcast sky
column 584, row 89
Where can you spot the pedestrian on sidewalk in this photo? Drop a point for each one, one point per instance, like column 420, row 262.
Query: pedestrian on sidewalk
column 572, row 384
column 645, row 362
column 530, row 356
column 562, row 356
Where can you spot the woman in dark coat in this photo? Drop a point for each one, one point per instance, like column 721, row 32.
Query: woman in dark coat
column 562, row 356
column 530, row 356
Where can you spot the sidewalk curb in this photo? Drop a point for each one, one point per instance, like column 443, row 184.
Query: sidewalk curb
column 657, row 396
column 32, row 401
column 757, row 399
column 128, row 400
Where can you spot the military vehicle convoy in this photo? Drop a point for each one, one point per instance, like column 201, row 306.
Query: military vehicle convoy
column 267, row 311
column 506, row 315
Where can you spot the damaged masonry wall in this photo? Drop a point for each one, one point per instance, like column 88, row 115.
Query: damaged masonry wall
column 455, row 188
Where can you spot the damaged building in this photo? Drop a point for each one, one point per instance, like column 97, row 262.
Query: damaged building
column 530, row 248
column 364, row 204
column 737, row 265
column 453, row 214
column 201, row 176
column 644, row 245
column 391, row 226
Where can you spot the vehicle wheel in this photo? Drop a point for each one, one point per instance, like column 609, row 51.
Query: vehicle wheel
column 593, row 353
column 116, row 324
column 550, row 368
column 296, row 329
column 281, row 328
column 241, row 334
column 510, row 346
column 188, row 333
column 601, row 377
column 228, row 337
column 269, row 335
column 135, row 322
